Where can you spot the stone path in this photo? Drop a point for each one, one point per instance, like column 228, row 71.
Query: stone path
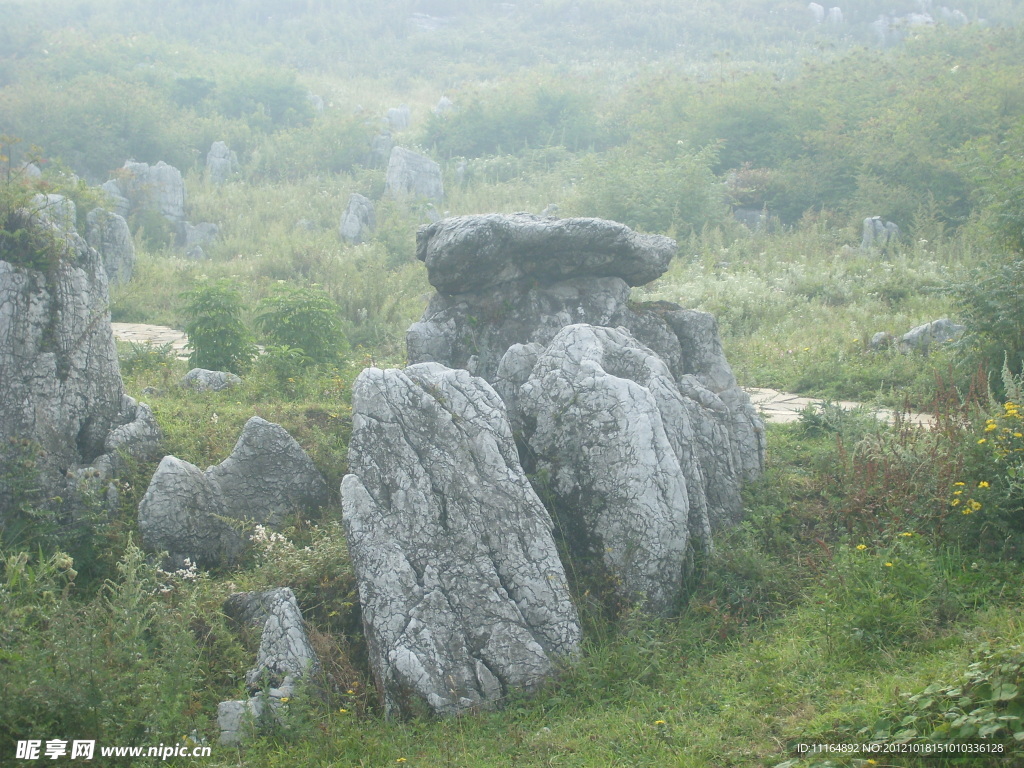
column 783, row 408
column 777, row 407
column 157, row 335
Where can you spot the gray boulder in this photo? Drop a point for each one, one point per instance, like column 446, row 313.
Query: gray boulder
column 463, row 596
column 285, row 656
column 358, row 221
column 879, row 234
column 398, row 118
column 444, row 106
column 221, row 163
column 534, row 279
column 157, row 188
column 880, row 341
column 380, row 149
column 203, row 380
column 472, row 253
column 200, row 515
column 120, row 204
column 614, row 444
column 413, row 175
column 108, row 233
column 184, row 514
column 921, row 338
column 61, row 391
column 268, row 476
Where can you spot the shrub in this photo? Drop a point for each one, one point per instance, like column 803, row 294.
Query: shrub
column 303, row 319
column 991, row 303
column 218, row 338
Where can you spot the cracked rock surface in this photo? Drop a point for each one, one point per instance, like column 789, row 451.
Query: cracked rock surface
column 463, row 594
column 60, row 382
column 285, row 656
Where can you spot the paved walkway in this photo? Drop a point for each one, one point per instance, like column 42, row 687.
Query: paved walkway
column 778, row 407
column 783, row 408
column 158, row 335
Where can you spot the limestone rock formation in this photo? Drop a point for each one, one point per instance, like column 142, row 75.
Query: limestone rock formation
column 108, row 233
column 398, row 117
column 285, row 656
column 61, row 388
column 358, row 221
column 879, row 234
column 464, row 598
column 613, row 441
column 157, row 187
column 413, row 175
column 509, row 287
column 221, row 163
column 188, row 513
column 473, row 253
column 183, row 513
column 199, row 234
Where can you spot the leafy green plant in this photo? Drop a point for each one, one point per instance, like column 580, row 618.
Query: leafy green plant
column 990, row 300
column 217, row 336
column 303, row 319
column 987, row 704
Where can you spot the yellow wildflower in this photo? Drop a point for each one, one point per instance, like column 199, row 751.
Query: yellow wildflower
column 659, row 722
column 862, row 546
column 888, row 565
column 957, row 483
column 982, row 441
column 974, row 505
column 983, row 484
column 908, row 533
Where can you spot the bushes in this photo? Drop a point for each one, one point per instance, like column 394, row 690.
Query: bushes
column 679, row 195
column 122, row 668
column 303, row 319
column 218, row 337
column 991, row 304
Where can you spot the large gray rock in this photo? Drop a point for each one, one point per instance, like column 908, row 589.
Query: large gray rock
column 285, row 656
column 358, row 221
column 398, row 117
column 116, row 200
column 108, row 233
column 200, row 515
column 221, row 163
column 60, row 384
column 413, row 175
column 510, row 287
column 157, row 188
column 183, row 513
column 879, row 234
column 472, row 253
column 199, row 234
column 463, row 596
column 613, row 443
column 921, row 338
column 268, row 476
